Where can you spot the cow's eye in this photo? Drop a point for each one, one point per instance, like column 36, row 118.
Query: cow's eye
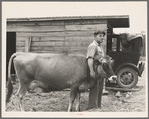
column 105, row 66
column 111, row 58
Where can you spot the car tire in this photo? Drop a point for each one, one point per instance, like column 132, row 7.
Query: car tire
column 127, row 77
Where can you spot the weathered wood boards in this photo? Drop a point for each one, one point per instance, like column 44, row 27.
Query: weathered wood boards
column 71, row 36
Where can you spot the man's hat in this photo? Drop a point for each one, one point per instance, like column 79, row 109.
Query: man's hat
column 99, row 32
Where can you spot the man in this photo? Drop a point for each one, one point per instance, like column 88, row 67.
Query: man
column 95, row 50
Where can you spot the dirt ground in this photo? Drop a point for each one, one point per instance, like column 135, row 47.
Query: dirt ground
column 57, row 101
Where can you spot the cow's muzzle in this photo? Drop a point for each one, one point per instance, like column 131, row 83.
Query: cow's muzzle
column 114, row 77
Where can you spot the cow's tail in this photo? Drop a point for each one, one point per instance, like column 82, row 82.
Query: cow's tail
column 9, row 83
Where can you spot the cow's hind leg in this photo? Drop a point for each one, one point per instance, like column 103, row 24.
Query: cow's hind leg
column 73, row 94
column 78, row 101
column 21, row 93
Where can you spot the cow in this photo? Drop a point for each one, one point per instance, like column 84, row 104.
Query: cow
column 57, row 72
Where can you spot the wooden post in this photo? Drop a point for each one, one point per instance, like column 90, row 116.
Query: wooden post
column 95, row 94
column 28, row 44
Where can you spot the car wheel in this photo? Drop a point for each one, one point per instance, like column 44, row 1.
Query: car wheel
column 127, row 77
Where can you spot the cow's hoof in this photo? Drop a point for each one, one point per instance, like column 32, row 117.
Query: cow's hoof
column 34, row 110
column 77, row 110
column 69, row 111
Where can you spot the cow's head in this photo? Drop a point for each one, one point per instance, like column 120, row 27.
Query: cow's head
column 104, row 67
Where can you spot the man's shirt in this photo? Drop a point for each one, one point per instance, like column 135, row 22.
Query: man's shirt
column 95, row 50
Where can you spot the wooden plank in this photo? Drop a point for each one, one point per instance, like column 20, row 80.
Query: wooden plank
column 49, row 50
column 73, row 44
column 58, row 33
column 20, row 49
column 35, row 28
column 81, row 38
column 68, row 49
column 20, row 44
column 78, row 48
column 46, row 48
column 41, row 39
column 21, row 39
column 55, row 52
column 57, row 23
column 41, row 33
column 102, row 27
column 78, row 22
column 27, row 44
column 46, row 39
column 80, row 33
column 37, row 23
column 43, row 25
column 85, row 22
column 76, row 44
column 47, row 44
column 99, row 21
column 122, row 89
column 78, row 52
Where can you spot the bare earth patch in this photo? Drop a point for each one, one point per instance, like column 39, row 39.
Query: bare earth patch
column 57, row 101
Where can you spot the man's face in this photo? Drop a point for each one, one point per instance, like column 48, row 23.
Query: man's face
column 99, row 38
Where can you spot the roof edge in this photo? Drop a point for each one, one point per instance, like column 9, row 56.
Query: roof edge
column 67, row 18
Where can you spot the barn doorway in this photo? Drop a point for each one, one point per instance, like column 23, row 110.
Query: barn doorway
column 10, row 49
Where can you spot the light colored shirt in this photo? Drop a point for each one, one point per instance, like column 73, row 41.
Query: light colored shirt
column 95, row 50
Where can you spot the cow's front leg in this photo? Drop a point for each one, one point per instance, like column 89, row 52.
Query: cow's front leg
column 73, row 93
column 22, row 91
column 78, row 101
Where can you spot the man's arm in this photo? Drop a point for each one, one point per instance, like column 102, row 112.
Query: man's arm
column 90, row 64
column 91, row 53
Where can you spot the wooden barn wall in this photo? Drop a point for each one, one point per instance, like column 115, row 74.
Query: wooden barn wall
column 72, row 36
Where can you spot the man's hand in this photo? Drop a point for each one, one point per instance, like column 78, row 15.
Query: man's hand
column 92, row 74
column 90, row 64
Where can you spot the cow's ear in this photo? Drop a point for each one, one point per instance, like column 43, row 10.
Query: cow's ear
column 97, row 62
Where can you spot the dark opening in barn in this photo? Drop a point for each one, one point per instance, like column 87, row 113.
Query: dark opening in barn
column 11, row 48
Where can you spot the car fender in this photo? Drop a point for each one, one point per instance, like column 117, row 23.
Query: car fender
column 141, row 67
column 128, row 65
